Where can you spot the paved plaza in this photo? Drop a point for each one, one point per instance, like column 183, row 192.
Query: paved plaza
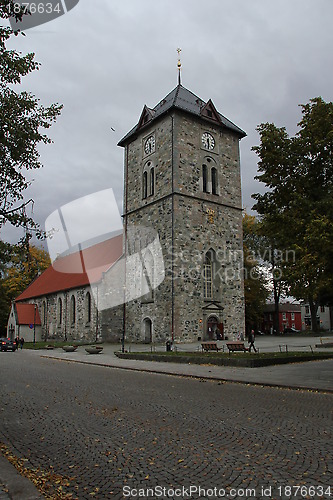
column 92, row 431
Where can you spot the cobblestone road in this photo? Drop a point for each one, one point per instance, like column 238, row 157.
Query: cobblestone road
column 89, row 431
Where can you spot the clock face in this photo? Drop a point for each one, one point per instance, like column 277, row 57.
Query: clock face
column 208, row 141
column 150, row 145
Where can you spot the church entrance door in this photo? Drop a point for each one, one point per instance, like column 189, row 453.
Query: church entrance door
column 214, row 329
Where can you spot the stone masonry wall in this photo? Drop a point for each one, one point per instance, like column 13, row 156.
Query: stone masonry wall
column 195, row 235
column 195, row 221
column 65, row 329
column 205, row 221
column 157, row 306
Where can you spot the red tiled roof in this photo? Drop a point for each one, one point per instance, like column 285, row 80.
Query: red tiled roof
column 69, row 272
column 26, row 314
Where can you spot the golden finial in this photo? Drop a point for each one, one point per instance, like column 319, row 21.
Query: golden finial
column 179, row 65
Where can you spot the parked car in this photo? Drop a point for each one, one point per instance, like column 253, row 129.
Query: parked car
column 290, row 330
column 7, row 345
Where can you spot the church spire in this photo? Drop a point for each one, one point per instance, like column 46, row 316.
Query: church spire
column 179, row 66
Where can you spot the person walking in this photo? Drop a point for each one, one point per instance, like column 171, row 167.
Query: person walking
column 21, row 342
column 251, row 340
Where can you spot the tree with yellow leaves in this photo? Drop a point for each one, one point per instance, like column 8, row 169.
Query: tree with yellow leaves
column 23, row 265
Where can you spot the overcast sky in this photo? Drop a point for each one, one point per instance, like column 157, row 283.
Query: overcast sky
column 103, row 60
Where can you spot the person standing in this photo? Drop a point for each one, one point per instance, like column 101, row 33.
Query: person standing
column 21, row 342
column 251, row 340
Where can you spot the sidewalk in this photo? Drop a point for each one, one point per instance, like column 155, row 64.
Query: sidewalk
column 314, row 375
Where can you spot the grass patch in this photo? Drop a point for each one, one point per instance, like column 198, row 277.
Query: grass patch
column 53, row 343
column 249, row 360
column 226, row 355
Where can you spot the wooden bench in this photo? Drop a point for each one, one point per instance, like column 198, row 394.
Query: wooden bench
column 236, row 347
column 209, row 346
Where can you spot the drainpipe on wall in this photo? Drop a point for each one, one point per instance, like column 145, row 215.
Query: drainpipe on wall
column 96, row 335
column 125, row 250
column 47, row 316
column 35, row 307
column 172, row 235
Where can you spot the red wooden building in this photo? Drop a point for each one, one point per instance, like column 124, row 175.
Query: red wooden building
column 289, row 317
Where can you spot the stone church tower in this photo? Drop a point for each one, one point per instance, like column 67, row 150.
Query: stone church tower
column 182, row 179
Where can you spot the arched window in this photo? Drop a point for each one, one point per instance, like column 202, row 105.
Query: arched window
column 152, row 182
column 147, row 330
column 204, row 179
column 73, row 310
column 214, row 181
column 148, row 180
column 44, row 312
column 59, row 311
column 208, row 276
column 144, row 185
column 88, row 307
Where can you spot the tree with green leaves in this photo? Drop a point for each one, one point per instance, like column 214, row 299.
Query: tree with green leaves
column 23, row 121
column 255, row 282
column 297, row 208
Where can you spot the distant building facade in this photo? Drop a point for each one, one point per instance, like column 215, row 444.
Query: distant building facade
column 24, row 322
column 324, row 317
column 289, row 317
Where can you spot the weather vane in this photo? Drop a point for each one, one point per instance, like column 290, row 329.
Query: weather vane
column 179, row 65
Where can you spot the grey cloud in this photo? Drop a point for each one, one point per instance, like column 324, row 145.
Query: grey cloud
column 104, row 60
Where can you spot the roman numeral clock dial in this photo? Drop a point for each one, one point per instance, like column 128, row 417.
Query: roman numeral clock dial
column 208, row 141
column 149, row 145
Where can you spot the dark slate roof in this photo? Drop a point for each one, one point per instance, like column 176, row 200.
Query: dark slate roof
column 185, row 100
column 283, row 307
